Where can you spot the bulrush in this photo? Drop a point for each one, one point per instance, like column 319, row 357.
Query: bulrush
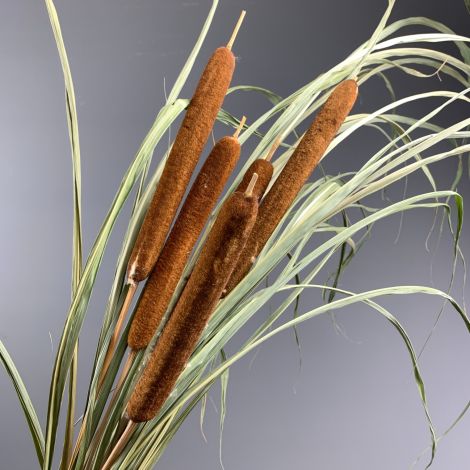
column 295, row 174
column 198, row 300
column 192, row 218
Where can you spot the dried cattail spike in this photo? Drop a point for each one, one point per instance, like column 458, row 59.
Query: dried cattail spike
column 195, row 306
column 295, row 173
column 201, row 199
column 189, row 142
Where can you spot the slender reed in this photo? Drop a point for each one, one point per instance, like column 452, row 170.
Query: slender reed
column 296, row 172
column 104, row 421
column 132, row 287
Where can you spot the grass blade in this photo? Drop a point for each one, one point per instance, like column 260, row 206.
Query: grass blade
column 72, row 122
column 25, row 402
column 182, row 77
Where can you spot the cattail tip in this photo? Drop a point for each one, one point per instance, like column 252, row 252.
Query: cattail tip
column 349, row 88
column 235, row 30
column 239, row 127
column 251, row 185
column 273, row 149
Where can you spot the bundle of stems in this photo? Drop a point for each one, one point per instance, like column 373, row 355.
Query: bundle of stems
column 204, row 260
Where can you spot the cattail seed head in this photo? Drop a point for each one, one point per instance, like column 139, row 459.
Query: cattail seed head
column 264, row 169
column 199, row 203
column 195, row 306
column 295, row 174
column 182, row 160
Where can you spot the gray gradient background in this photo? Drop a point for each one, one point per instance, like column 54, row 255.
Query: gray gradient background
column 354, row 404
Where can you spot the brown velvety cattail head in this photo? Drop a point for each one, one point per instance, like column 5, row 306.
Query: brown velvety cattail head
column 264, row 170
column 195, row 306
column 193, row 216
column 296, row 172
column 187, row 147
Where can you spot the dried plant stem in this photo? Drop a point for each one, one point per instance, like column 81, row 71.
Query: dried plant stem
column 76, row 449
column 121, row 443
column 104, row 420
column 236, row 134
column 68, row 449
column 121, row 379
column 235, row 30
column 117, row 332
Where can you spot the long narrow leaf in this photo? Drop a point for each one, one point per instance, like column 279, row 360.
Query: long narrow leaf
column 72, row 121
column 25, row 402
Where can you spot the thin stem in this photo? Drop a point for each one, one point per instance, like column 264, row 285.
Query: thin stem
column 235, row 30
column 68, row 439
column 104, row 421
column 121, row 443
column 273, row 149
column 240, row 127
column 107, row 360
column 117, row 332
column 76, row 449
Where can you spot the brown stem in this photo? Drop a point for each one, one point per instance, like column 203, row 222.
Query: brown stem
column 104, row 421
column 76, row 449
column 117, row 333
column 121, row 443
